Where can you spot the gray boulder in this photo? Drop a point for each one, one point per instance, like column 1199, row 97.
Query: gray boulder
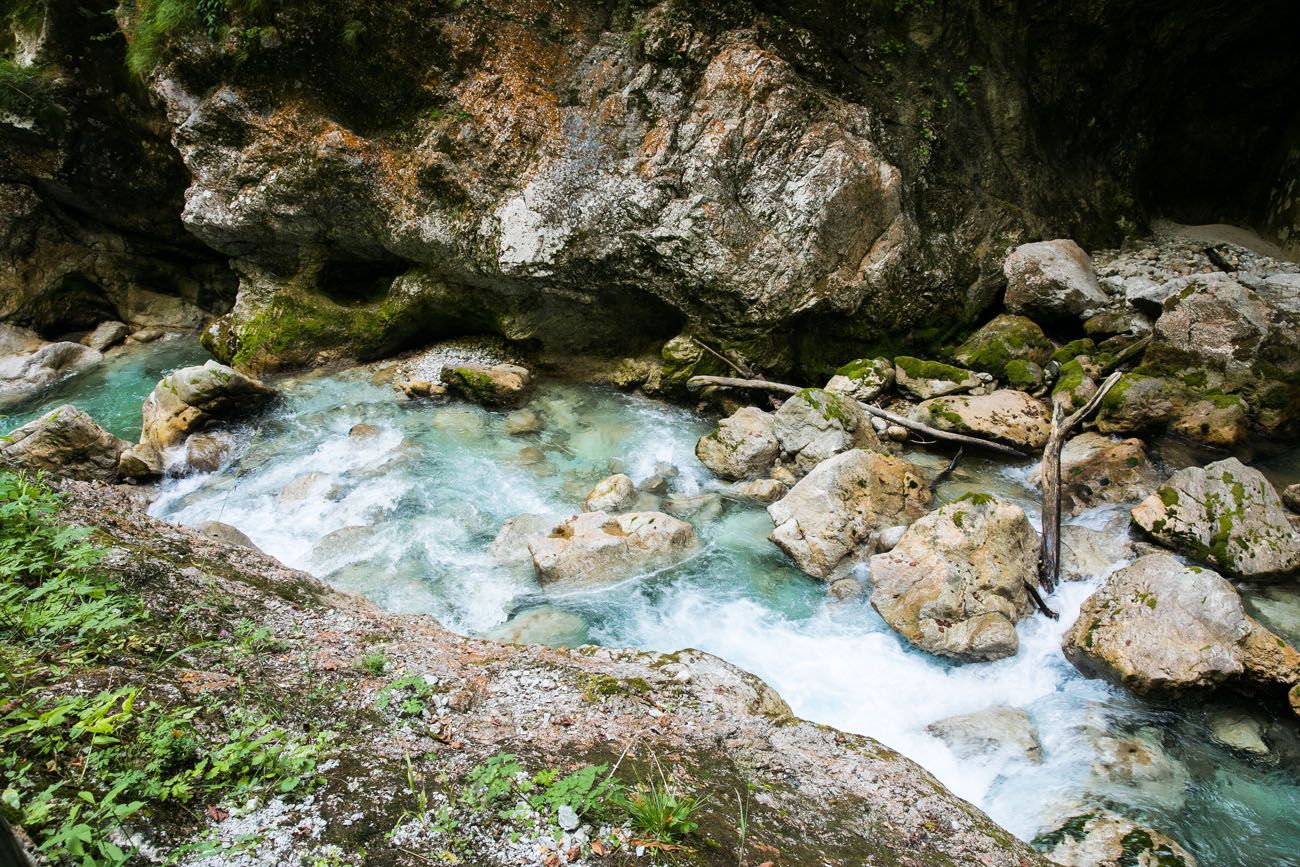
column 989, row 731
column 1096, row 470
column 29, row 365
column 955, row 583
column 1098, row 838
column 1225, row 514
column 863, row 379
column 495, row 385
column 829, row 515
column 925, row 379
column 743, row 447
column 611, row 494
column 1052, row 281
column 67, row 443
column 1012, row 417
column 597, row 548
column 510, row 547
column 106, row 335
column 815, row 424
column 189, row 399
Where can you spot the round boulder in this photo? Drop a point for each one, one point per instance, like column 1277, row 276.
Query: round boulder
column 597, row 548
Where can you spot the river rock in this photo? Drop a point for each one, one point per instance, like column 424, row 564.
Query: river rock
column 364, row 431
column 66, row 443
column 1052, row 281
column 743, row 447
column 1225, row 514
column 1103, row 839
column 226, row 534
column 925, row 379
column 29, row 365
column 657, row 482
column 1239, row 731
column 1138, row 403
column 1159, row 627
column 598, row 548
column 522, row 422
column 863, row 379
column 1136, row 767
column 1096, row 470
column 1002, row 340
column 815, row 424
column 764, row 491
column 954, row 585
column 495, row 385
column 545, row 624
column 510, row 547
column 988, row 731
column 205, row 452
column 1087, row 552
column 703, row 507
column 140, row 461
column 106, row 335
column 1012, row 417
column 1291, row 497
column 833, row 510
column 612, row 494
column 190, row 398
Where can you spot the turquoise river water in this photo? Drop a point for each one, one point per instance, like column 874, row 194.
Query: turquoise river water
column 406, row 518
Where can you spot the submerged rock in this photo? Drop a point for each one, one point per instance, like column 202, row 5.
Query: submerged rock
column 833, row 510
column 989, row 731
column 612, row 494
column 1096, row 470
column 702, row 507
column 1225, row 514
column 743, row 447
column 1103, row 839
column 955, row 583
column 863, row 379
column 189, row 399
column 597, row 548
column 1012, row 417
column 545, row 624
column 522, row 422
column 496, row 385
column 926, row 379
column 1159, row 627
column 1052, row 281
column 67, row 443
column 814, row 425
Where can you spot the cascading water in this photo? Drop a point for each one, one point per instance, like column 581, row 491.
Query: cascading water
column 405, row 512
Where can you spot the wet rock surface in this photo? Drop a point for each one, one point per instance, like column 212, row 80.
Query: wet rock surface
column 1097, row 470
column 596, row 548
column 189, row 399
column 1012, row 417
column 743, row 447
column 1103, row 839
column 65, row 442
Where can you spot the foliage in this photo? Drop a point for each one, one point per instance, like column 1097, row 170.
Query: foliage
column 152, row 24
column 26, row 92
column 660, row 811
column 409, row 692
column 373, row 662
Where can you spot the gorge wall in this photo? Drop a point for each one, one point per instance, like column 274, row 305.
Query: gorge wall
column 799, row 181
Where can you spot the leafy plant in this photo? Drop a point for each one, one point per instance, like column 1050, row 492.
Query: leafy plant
column 660, row 811
column 373, row 662
column 409, row 692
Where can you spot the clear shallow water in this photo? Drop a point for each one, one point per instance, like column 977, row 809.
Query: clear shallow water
column 406, row 518
column 112, row 391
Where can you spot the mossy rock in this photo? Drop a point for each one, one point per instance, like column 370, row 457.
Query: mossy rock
column 1004, row 339
column 1023, row 374
column 926, row 379
column 1074, row 387
column 1073, row 349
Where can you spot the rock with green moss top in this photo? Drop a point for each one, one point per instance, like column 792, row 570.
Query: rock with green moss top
column 830, row 514
column 1162, row 628
column 1052, row 281
column 1008, row 416
column 954, row 585
column 496, row 385
column 1103, row 839
column 815, row 424
column 1005, row 339
column 863, row 379
column 1096, row 470
column 1073, row 349
column 1139, row 403
column 1074, row 386
column 925, row 379
column 1022, row 374
column 192, row 398
column 1225, row 514
column 743, row 447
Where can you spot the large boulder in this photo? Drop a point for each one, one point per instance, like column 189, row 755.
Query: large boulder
column 1052, row 281
column 191, row 398
column 65, row 442
column 814, row 425
column 1098, row 838
column 29, row 365
column 597, row 548
column 1004, row 339
column 924, row 379
column 1225, row 514
column 955, row 584
column 1139, row 402
column 992, row 730
column 611, row 494
column 743, row 447
column 495, row 385
column 1012, row 417
column 1159, row 628
column 832, row 511
column 863, row 379
column 1096, row 470
column 510, row 547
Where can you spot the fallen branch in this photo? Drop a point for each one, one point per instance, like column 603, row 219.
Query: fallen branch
column 724, row 359
column 1219, row 262
column 1128, row 352
column 901, row 421
column 1049, row 552
column 946, row 471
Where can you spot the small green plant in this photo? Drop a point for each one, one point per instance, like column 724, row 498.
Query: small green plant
column 962, row 86
column 373, row 662
column 661, row 812
column 409, row 692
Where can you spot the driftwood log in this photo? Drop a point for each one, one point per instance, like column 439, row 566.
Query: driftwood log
column 696, row 382
column 1049, row 552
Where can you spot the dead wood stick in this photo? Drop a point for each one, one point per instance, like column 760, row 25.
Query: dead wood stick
column 1049, row 551
column 724, row 359
column 1219, row 262
column 1038, row 601
column 901, row 421
column 1128, row 352
column 947, row 471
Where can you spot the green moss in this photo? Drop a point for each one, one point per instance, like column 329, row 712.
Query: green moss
column 917, row 368
column 1168, row 496
column 1069, row 384
column 1023, row 374
column 939, row 411
column 831, row 406
column 1073, row 349
column 976, row 498
column 1139, row 849
column 1073, row 828
column 866, row 369
column 1115, row 398
column 1003, row 340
